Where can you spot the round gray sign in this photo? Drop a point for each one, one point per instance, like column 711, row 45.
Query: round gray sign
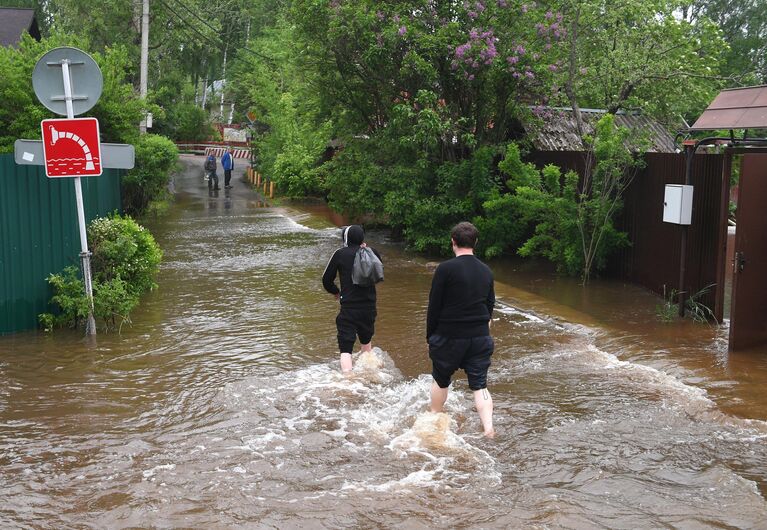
column 85, row 78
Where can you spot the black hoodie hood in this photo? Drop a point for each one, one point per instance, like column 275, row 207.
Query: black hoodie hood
column 354, row 235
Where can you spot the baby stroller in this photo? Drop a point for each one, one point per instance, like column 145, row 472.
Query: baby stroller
column 210, row 172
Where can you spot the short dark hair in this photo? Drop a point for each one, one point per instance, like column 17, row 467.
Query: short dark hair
column 465, row 235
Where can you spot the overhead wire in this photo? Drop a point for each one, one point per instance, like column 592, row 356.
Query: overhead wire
column 198, row 17
column 220, row 45
column 206, row 38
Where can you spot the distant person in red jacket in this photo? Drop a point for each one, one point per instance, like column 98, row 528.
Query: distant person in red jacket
column 461, row 304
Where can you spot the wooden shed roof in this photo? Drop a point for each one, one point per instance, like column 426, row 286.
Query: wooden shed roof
column 558, row 130
column 14, row 22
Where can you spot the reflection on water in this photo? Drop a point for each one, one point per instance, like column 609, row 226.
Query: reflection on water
column 223, row 405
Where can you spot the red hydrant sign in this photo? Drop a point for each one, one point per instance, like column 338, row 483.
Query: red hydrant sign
column 72, row 147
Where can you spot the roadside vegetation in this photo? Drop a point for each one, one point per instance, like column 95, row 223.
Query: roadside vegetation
column 417, row 114
column 124, row 263
column 413, row 114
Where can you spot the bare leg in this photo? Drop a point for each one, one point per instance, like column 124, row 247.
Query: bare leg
column 367, row 347
column 484, row 403
column 438, row 397
column 346, row 362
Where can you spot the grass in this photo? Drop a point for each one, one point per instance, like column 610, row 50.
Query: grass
column 697, row 310
column 668, row 310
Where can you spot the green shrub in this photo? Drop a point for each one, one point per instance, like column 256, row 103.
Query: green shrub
column 356, row 183
column 184, row 121
column 123, row 249
column 156, row 157
column 565, row 219
column 69, row 297
column 113, row 301
column 124, row 263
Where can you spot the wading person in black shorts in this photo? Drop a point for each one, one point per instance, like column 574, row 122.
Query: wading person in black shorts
column 458, row 324
column 358, row 303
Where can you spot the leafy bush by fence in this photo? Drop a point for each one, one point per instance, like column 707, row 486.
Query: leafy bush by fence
column 156, row 157
column 124, row 263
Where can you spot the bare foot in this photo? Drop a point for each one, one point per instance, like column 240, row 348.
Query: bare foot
column 490, row 434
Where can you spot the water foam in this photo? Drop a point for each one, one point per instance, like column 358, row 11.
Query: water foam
column 368, row 412
column 691, row 397
column 149, row 473
column 506, row 309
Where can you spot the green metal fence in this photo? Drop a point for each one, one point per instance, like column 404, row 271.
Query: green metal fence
column 39, row 234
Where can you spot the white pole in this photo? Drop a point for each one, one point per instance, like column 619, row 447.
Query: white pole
column 223, row 85
column 204, row 91
column 85, row 255
column 144, row 57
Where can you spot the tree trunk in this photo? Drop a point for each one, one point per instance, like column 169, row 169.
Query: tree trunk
column 572, row 72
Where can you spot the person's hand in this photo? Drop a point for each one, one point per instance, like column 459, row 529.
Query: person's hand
column 363, row 244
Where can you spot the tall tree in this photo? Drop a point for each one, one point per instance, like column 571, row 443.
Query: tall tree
column 743, row 24
column 623, row 54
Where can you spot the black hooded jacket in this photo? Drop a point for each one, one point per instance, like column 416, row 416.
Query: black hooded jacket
column 341, row 263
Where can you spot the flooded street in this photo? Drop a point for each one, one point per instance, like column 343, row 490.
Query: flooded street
column 222, row 405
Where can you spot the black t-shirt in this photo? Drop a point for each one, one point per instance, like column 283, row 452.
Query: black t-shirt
column 341, row 263
column 461, row 299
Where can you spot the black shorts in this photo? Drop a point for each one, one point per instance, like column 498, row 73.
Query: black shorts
column 353, row 323
column 472, row 354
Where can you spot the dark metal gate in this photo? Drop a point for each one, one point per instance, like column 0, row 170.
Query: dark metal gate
column 748, row 319
column 653, row 258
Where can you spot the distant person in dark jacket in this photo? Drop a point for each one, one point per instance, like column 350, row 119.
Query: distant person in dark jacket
column 210, row 169
column 357, row 315
column 227, row 162
column 461, row 304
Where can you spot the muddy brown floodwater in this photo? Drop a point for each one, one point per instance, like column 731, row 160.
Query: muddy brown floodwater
column 222, row 406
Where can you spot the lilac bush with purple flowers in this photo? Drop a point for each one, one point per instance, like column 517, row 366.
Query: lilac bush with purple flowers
column 427, row 89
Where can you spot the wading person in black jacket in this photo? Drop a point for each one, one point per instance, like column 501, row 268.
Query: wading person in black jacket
column 461, row 304
column 358, row 303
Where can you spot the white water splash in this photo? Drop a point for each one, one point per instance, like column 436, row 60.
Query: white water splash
column 149, row 473
column 528, row 316
column 369, row 412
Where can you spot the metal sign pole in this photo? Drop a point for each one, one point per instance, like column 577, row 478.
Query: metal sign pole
column 85, row 255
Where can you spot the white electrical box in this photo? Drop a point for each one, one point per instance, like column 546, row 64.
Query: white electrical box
column 677, row 204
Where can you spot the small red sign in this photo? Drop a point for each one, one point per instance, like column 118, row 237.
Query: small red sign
column 72, row 147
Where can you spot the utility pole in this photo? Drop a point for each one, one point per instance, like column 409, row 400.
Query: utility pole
column 223, row 84
column 144, row 57
column 205, row 91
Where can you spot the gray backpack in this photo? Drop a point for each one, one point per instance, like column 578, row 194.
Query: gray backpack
column 367, row 269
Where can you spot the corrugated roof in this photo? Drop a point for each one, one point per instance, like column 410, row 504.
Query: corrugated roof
column 14, row 22
column 558, row 130
column 735, row 108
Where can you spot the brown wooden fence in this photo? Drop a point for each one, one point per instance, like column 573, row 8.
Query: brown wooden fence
column 652, row 260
